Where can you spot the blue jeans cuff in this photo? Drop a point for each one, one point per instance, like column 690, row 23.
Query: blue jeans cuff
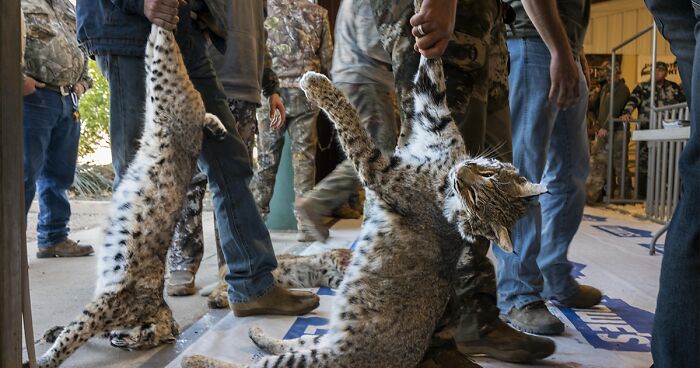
column 518, row 302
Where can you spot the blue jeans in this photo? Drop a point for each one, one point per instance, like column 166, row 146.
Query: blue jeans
column 245, row 241
column 549, row 146
column 676, row 336
column 51, row 136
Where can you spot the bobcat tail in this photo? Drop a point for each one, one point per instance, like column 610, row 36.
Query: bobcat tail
column 90, row 323
column 358, row 146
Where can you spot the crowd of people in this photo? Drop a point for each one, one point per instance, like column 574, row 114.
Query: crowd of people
column 518, row 91
column 624, row 104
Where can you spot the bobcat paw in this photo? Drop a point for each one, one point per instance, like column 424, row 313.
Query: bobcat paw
column 215, row 126
column 52, row 333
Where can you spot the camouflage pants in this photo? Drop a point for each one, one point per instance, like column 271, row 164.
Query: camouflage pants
column 476, row 66
column 595, row 184
column 187, row 247
column 301, row 126
column 244, row 112
column 375, row 106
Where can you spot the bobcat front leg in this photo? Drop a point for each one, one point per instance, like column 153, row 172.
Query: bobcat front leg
column 215, row 126
column 362, row 152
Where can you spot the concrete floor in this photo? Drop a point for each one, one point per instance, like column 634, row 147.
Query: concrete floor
column 60, row 287
column 609, row 252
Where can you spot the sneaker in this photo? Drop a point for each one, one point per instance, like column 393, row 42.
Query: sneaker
column 311, row 221
column 534, row 318
column 446, row 357
column 278, row 301
column 585, row 297
column 66, row 248
column 180, row 283
column 509, row 345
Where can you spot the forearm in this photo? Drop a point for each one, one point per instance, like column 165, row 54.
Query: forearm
column 545, row 17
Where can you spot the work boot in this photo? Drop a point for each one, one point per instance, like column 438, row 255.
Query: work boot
column 310, row 221
column 305, row 236
column 534, row 318
column 586, row 297
column 66, row 248
column 278, row 301
column 180, row 283
column 509, row 345
column 446, row 357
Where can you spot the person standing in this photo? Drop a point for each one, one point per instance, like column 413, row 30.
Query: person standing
column 245, row 71
column 362, row 71
column 118, row 41
column 475, row 60
column 667, row 93
column 548, row 100
column 299, row 40
column 675, row 340
column 600, row 106
column 55, row 76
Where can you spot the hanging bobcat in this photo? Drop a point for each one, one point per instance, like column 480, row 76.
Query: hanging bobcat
column 145, row 207
column 431, row 199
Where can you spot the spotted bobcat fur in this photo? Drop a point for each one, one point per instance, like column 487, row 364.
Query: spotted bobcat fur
column 432, row 198
column 145, row 207
column 320, row 270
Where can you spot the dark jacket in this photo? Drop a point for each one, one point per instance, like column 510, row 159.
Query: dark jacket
column 119, row 27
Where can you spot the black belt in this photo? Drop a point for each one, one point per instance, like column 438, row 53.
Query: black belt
column 63, row 90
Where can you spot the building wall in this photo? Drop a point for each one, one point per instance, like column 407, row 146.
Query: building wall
column 615, row 21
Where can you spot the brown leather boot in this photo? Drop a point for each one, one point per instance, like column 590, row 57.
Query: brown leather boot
column 509, row 345
column 66, row 248
column 278, row 301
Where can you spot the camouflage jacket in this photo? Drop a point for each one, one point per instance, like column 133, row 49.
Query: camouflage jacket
column 52, row 54
column 298, row 38
column 667, row 94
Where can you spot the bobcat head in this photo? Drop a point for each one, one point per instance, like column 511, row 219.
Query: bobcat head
column 488, row 197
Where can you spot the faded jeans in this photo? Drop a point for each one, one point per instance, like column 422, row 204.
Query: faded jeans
column 676, row 336
column 549, row 146
column 245, row 240
column 51, row 136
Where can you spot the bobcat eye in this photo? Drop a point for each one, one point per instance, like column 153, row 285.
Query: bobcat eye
column 487, row 174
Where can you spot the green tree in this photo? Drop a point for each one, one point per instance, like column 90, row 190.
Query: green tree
column 94, row 113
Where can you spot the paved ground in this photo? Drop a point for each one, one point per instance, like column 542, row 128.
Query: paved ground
column 60, row 287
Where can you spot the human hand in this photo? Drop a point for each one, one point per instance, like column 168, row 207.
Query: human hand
column 30, row 85
column 564, row 76
column 625, row 118
column 162, row 13
column 433, row 25
column 602, row 132
column 277, row 112
column 79, row 89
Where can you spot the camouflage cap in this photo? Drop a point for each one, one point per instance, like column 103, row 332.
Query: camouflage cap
column 661, row 65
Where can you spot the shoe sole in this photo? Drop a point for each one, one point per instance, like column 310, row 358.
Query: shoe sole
column 512, row 356
column 61, row 255
column 273, row 311
column 553, row 331
column 181, row 290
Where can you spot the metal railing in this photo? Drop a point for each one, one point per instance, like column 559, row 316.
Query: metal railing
column 663, row 183
column 610, row 184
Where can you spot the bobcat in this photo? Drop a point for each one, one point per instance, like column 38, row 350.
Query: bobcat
column 145, row 207
column 431, row 199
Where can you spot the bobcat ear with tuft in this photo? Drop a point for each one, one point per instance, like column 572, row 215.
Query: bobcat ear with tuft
column 503, row 238
column 529, row 189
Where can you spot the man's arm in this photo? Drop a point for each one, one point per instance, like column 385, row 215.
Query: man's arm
column 433, row 25
column 564, row 88
column 633, row 102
